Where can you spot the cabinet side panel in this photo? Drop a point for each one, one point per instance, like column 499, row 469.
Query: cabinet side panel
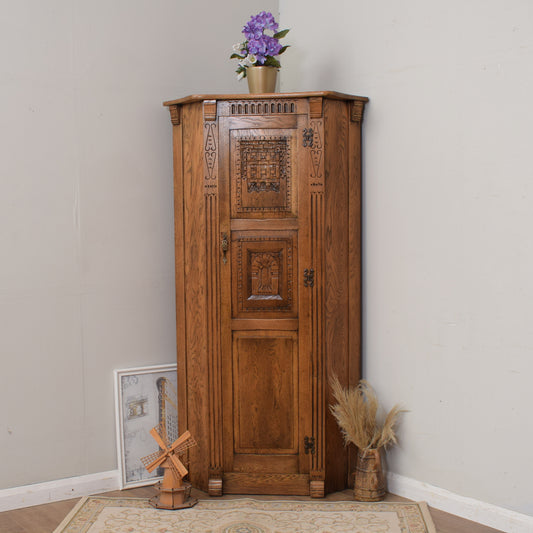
column 355, row 269
column 336, row 307
column 194, row 253
column 181, row 345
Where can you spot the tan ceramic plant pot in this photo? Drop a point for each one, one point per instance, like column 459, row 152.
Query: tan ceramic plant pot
column 261, row 79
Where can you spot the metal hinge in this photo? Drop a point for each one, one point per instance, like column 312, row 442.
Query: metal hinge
column 308, row 137
column 309, row 277
column 309, row 445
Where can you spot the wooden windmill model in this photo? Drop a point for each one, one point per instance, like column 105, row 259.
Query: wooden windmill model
column 173, row 492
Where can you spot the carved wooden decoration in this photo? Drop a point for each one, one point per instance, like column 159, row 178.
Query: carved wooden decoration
column 175, row 114
column 268, row 213
column 357, row 111
column 265, row 270
column 210, row 109
column 316, row 155
column 264, row 273
column 212, row 254
column 210, row 156
column 258, row 107
column 317, row 342
column 262, row 175
column 264, row 164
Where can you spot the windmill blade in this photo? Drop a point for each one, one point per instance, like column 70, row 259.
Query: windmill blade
column 178, row 465
column 180, row 440
column 174, row 470
column 182, row 448
column 157, row 462
column 158, row 439
column 149, row 459
column 182, row 443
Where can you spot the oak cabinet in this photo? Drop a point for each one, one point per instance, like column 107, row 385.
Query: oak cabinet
column 267, row 199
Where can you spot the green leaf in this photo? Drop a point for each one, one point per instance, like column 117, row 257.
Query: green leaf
column 272, row 62
column 281, row 34
column 236, row 56
column 241, row 69
column 283, row 48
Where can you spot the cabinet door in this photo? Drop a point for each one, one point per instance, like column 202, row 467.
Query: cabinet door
column 265, row 353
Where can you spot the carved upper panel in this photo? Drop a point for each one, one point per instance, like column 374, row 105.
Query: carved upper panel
column 261, row 177
column 264, row 164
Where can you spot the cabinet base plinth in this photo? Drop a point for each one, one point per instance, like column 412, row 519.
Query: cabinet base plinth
column 214, row 487
column 257, row 483
column 316, row 489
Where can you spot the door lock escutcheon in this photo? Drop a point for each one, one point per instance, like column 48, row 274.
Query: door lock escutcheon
column 309, row 277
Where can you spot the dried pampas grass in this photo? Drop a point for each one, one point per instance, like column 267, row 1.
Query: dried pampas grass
column 356, row 412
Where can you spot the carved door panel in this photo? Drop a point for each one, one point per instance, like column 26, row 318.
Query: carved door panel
column 265, row 359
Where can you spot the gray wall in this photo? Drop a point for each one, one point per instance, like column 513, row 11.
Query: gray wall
column 86, row 220
column 448, row 248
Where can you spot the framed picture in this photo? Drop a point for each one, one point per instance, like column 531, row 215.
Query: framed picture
column 144, row 398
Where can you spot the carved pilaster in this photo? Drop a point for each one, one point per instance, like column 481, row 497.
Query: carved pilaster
column 213, row 252
column 210, row 157
column 316, row 153
column 213, row 342
column 317, row 338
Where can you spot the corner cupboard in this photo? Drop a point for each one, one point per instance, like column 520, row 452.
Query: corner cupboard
column 267, row 199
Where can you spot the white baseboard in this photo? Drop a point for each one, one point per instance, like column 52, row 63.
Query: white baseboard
column 60, row 489
column 478, row 511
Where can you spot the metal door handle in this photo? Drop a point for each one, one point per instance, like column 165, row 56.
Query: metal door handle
column 224, row 245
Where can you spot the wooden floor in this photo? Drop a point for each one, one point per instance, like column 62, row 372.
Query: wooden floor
column 45, row 518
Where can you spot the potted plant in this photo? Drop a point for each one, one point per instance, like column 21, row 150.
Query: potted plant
column 358, row 415
column 257, row 55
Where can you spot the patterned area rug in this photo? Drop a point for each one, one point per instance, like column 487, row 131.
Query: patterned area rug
column 133, row 515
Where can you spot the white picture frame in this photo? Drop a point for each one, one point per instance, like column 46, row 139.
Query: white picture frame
column 136, row 413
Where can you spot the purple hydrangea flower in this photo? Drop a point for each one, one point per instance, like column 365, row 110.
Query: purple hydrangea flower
column 252, row 31
column 272, row 45
column 258, row 24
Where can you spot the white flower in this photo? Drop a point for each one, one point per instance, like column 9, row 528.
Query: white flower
column 238, row 47
column 240, row 75
column 249, row 60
